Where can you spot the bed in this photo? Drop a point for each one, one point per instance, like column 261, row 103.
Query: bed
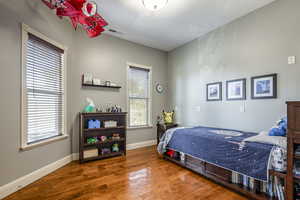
column 224, row 155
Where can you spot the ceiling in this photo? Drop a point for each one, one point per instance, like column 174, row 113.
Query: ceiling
column 178, row 23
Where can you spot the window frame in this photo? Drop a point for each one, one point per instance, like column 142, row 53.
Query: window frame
column 24, row 145
column 149, row 107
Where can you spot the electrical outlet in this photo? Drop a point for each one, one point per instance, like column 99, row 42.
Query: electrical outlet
column 198, row 109
column 292, row 60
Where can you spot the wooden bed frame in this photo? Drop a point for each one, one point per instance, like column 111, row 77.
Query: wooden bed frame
column 223, row 176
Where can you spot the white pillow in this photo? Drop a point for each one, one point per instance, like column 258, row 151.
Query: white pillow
column 263, row 137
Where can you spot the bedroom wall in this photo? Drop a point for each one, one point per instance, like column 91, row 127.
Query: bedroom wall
column 13, row 162
column 256, row 44
column 105, row 56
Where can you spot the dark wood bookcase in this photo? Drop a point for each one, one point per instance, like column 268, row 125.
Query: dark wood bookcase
column 86, row 133
column 293, row 142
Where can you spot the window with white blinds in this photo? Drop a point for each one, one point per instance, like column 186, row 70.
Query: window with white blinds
column 139, row 95
column 43, row 90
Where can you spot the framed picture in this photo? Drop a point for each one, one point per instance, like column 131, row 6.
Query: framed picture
column 214, row 91
column 236, row 89
column 264, row 87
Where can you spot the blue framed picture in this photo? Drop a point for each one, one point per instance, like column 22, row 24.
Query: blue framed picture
column 264, row 87
column 236, row 89
column 214, row 91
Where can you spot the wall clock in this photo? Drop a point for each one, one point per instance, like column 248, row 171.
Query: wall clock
column 159, row 88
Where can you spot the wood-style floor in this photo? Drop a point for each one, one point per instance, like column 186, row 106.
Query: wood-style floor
column 142, row 175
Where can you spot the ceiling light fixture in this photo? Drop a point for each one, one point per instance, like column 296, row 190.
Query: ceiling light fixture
column 154, row 5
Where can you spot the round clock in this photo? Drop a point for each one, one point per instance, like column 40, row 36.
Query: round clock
column 159, row 88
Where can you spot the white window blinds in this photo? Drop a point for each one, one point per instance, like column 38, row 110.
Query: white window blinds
column 44, row 90
column 139, row 96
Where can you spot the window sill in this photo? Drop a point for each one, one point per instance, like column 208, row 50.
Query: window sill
column 31, row 146
column 139, row 127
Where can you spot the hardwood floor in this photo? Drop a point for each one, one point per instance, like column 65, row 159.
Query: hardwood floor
column 142, row 175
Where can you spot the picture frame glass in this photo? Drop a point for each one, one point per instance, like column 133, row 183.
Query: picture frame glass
column 213, row 92
column 236, row 89
column 263, row 87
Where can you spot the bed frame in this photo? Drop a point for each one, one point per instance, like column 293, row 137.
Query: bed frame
column 223, row 176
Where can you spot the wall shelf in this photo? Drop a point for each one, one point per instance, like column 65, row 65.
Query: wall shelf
column 100, row 86
column 97, row 86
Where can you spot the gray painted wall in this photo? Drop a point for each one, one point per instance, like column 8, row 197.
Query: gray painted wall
column 105, row 56
column 15, row 163
column 256, row 44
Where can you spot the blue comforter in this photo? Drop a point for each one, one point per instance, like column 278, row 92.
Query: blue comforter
column 224, row 148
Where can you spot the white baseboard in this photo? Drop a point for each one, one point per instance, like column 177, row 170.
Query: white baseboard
column 141, row 144
column 32, row 177
column 75, row 156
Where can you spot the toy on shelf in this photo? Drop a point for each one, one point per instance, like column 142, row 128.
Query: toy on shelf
column 115, row 148
column 90, row 107
column 110, row 124
column 103, row 138
column 94, row 124
column 115, row 136
column 92, row 140
column 105, row 151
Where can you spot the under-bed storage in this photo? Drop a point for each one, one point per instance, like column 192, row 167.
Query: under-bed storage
column 195, row 164
column 218, row 172
column 204, row 167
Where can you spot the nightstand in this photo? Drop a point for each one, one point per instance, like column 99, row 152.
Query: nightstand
column 161, row 129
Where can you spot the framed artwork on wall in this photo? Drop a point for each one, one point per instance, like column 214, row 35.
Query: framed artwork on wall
column 236, row 89
column 264, row 87
column 214, row 91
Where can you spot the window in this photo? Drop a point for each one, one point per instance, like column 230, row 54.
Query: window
column 43, row 89
column 139, row 95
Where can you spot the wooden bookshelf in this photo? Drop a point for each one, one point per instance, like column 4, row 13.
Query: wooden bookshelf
column 293, row 137
column 86, row 133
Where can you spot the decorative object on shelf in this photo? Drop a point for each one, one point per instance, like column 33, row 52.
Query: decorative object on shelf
column 105, row 151
column 159, row 88
column 114, row 109
column 103, row 138
column 92, row 140
column 87, row 78
column 110, row 124
column 236, row 89
column 115, row 148
column 90, row 107
column 264, row 87
column 214, row 91
column 82, row 12
column 94, row 124
column 107, row 83
column 96, row 81
column 115, row 136
column 168, row 117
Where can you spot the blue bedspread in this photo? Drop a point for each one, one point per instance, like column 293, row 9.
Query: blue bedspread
column 224, row 148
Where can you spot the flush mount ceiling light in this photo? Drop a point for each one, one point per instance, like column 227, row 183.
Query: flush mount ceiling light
column 154, row 5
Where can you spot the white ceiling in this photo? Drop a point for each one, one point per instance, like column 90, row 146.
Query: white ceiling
column 178, row 23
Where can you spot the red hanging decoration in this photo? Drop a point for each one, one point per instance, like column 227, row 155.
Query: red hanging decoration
column 82, row 12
